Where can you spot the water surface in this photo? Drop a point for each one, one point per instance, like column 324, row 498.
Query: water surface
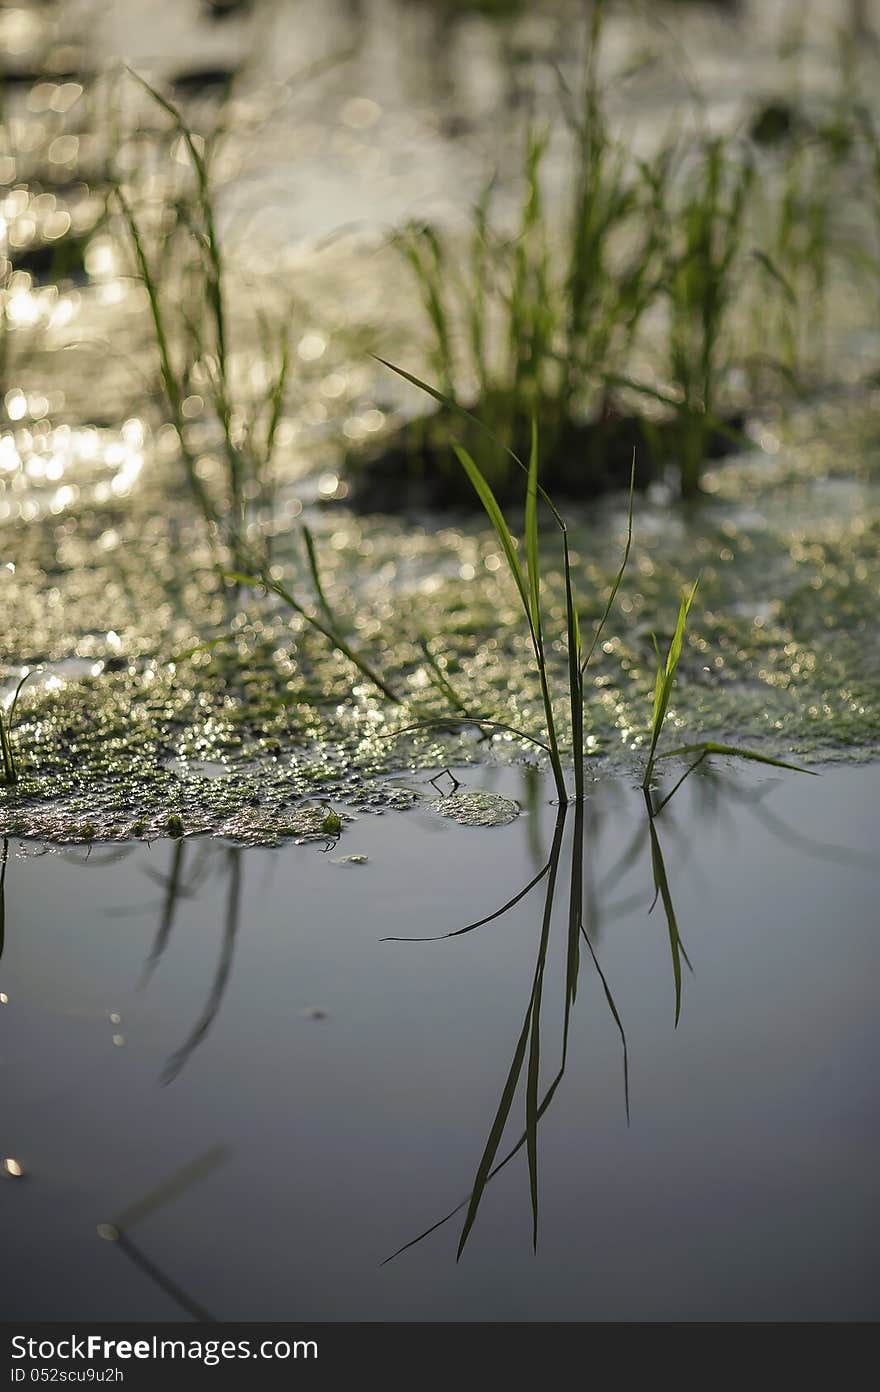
column 267, row 1100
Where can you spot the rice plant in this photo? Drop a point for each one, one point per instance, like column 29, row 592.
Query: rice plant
column 871, row 255
column 529, row 324
column 702, row 281
column 802, row 242
column 527, row 580
column 193, row 341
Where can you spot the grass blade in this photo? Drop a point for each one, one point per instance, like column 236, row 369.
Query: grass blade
column 481, row 921
column 460, row 410
column 735, row 751
column 452, row 720
column 332, row 636
column 666, row 678
column 531, row 522
column 502, row 531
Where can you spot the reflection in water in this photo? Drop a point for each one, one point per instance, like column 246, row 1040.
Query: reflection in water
column 221, row 977
column 584, row 914
column 4, row 855
column 567, row 946
column 663, row 893
column 526, row 1063
column 118, row 1231
column 576, row 905
column 161, row 1279
column 176, row 886
column 169, row 908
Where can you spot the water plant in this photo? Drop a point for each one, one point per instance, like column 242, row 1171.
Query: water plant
column 704, row 261
column 528, row 323
column 527, row 580
column 191, row 330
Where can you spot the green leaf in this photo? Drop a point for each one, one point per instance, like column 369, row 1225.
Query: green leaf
column 453, row 720
column 734, row 751
column 666, row 675
column 496, row 517
column 531, row 520
column 453, row 405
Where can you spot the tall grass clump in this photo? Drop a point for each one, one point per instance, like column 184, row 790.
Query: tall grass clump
column 802, row 241
column 871, row 255
column 182, row 266
column 702, row 281
column 526, row 323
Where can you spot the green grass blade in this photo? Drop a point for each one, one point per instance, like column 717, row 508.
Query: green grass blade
column 735, row 751
column 452, row 720
column 334, row 638
column 658, row 683
column 439, row 679
column 502, row 531
column 316, row 577
column 460, row 410
column 10, row 770
column 10, row 774
column 666, row 677
column 10, row 714
column 490, row 918
column 575, row 675
column 531, row 526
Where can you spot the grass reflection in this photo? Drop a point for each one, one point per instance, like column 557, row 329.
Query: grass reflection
column 119, row 1230
column 588, row 901
column 181, row 1056
column 524, row 1073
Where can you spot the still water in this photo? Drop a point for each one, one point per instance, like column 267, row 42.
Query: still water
column 211, row 1050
